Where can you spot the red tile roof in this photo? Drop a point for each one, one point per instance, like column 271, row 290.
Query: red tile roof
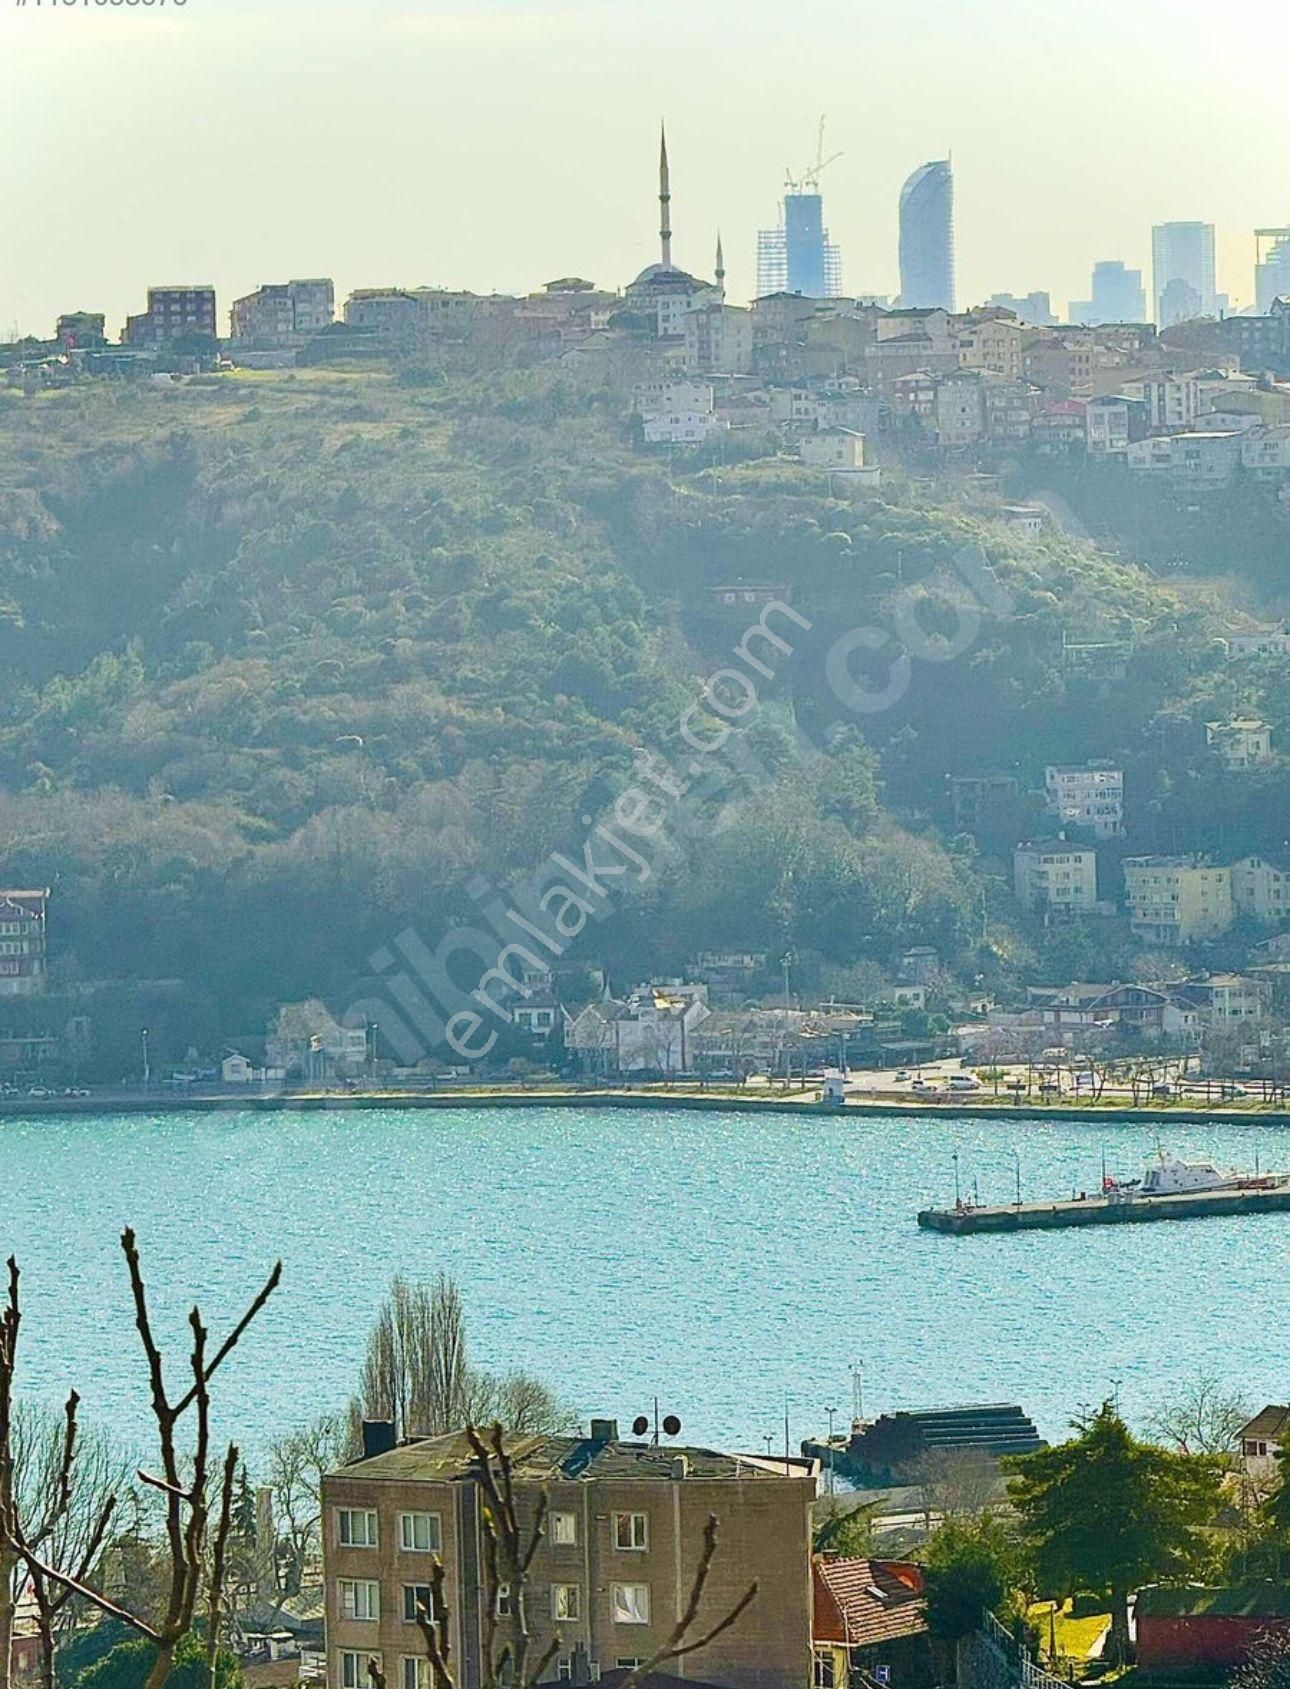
column 862, row 1602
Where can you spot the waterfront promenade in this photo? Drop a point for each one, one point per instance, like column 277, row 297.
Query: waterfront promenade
column 804, row 1100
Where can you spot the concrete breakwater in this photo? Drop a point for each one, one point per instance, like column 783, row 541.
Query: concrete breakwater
column 1104, row 1211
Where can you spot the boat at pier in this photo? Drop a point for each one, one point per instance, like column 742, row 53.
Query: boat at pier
column 1171, row 1176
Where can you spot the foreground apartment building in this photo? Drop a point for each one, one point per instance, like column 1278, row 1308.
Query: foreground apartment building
column 612, row 1575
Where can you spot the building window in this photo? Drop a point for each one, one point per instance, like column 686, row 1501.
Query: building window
column 564, row 1530
column 416, row 1672
column 416, row 1596
column 353, row 1672
column 566, row 1603
column 629, row 1662
column 630, row 1602
column 360, row 1598
column 503, row 1601
column 825, row 1669
column 420, row 1533
column 356, row 1527
column 631, row 1531
column 564, row 1668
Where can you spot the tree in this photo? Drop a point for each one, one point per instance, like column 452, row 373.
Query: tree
column 1104, row 1511
column 417, row 1371
column 1203, row 1415
column 62, row 1509
column 957, row 1483
column 972, row 1569
column 195, row 1553
column 297, row 1462
column 129, row 1666
column 846, row 1532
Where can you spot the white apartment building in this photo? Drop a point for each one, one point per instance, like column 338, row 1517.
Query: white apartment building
column 1056, row 876
column 1265, row 452
column 1090, row 795
column 1172, row 401
column 1262, row 889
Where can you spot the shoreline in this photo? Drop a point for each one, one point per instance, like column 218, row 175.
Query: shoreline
column 705, row 1103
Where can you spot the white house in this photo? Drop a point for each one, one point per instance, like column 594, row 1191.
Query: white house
column 650, row 1032
column 1087, row 795
column 235, row 1069
column 1262, row 1439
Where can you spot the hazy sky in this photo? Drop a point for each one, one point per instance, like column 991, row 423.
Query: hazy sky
column 500, row 143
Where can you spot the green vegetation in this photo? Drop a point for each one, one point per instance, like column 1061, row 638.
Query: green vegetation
column 1107, row 1512
column 128, row 1664
column 286, row 663
column 973, row 1567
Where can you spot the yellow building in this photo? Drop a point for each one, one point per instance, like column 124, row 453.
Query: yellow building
column 1175, row 900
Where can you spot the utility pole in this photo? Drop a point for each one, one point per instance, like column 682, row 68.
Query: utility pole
column 830, row 1480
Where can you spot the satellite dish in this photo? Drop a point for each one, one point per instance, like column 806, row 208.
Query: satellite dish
column 640, row 1425
column 672, row 1425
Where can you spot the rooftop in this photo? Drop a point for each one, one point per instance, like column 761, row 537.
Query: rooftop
column 552, row 1459
column 1192, row 1600
column 863, row 1602
column 1269, row 1425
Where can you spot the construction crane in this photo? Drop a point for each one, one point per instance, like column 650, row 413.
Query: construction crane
column 809, row 180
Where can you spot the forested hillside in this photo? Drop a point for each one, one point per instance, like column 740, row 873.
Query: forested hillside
column 285, row 660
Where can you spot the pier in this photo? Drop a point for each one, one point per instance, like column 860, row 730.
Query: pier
column 1116, row 1210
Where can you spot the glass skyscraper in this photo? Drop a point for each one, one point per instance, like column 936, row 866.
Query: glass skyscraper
column 927, row 238
column 1183, row 274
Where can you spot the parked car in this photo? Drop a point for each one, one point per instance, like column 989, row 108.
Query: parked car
column 964, row 1082
column 902, row 1074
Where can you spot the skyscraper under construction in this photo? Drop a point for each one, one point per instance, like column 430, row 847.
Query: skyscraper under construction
column 797, row 256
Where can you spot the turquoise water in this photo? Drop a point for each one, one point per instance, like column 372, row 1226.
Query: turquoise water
column 714, row 1260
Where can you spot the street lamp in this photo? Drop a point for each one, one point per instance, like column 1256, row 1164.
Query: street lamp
column 1016, row 1155
column 147, row 1070
column 831, row 1411
column 857, row 1392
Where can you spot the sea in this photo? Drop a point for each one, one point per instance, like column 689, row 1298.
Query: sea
column 734, row 1267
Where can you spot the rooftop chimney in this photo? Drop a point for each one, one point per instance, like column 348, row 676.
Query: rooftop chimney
column 378, row 1437
column 604, row 1430
column 680, row 1467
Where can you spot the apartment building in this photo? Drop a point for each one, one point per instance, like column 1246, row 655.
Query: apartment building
column 22, row 942
column 623, row 1538
column 1222, row 998
column 718, row 337
column 1175, row 900
column 1171, row 401
column 1056, row 876
column 1087, row 795
column 1262, row 889
column 174, row 313
column 277, row 311
column 992, row 343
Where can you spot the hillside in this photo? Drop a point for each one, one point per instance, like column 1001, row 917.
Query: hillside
column 286, row 660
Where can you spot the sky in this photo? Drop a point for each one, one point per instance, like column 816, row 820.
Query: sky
column 500, row 143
